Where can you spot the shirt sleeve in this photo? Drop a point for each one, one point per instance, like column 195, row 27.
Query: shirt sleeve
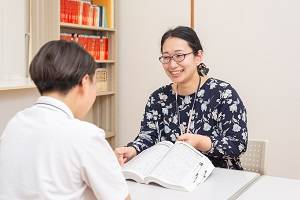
column 230, row 137
column 101, row 170
column 149, row 131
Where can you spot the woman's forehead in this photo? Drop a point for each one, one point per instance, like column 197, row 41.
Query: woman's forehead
column 173, row 45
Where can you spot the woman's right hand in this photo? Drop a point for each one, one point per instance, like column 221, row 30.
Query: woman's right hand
column 124, row 154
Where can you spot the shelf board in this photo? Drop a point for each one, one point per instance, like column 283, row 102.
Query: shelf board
column 104, row 61
column 109, row 134
column 29, row 86
column 102, row 93
column 79, row 26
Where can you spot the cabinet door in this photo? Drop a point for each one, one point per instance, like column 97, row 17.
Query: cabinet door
column 14, row 42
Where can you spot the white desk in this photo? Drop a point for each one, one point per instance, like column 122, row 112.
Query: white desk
column 221, row 184
column 269, row 187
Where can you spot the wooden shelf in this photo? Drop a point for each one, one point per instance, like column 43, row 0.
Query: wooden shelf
column 103, row 113
column 105, row 61
column 109, row 134
column 29, row 86
column 101, row 93
column 85, row 27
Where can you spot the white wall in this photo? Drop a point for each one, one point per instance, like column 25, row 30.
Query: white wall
column 141, row 23
column 13, row 101
column 255, row 46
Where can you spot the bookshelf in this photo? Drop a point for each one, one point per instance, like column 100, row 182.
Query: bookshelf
column 15, row 87
column 42, row 23
column 92, row 24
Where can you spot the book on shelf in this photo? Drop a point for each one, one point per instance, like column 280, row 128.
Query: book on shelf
column 102, row 79
column 176, row 166
column 107, row 12
column 97, row 46
column 90, row 13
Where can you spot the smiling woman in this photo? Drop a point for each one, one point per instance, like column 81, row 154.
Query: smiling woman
column 203, row 111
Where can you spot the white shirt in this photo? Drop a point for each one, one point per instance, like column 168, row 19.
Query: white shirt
column 45, row 153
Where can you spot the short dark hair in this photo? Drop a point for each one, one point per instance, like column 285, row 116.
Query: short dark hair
column 60, row 65
column 185, row 33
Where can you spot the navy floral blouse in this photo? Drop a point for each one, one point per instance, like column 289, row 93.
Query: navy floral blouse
column 219, row 114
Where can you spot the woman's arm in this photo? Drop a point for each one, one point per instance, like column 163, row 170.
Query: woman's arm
column 230, row 138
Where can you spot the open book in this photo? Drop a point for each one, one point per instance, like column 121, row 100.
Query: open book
column 176, row 166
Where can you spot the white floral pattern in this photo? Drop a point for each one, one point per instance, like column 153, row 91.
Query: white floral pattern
column 219, row 114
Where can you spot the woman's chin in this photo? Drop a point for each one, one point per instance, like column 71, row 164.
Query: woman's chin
column 177, row 80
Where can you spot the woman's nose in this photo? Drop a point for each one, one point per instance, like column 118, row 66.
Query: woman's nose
column 173, row 64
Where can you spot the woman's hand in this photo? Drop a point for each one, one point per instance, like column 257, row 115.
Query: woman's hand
column 124, row 154
column 200, row 142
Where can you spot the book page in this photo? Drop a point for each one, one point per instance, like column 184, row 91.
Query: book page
column 181, row 167
column 142, row 164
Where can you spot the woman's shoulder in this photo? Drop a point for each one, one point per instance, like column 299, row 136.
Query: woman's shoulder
column 217, row 84
column 223, row 88
column 160, row 96
column 163, row 90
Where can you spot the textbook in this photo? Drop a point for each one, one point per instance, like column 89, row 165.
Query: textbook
column 176, row 166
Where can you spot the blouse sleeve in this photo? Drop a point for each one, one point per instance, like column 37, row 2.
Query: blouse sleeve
column 230, row 137
column 99, row 168
column 149, row 131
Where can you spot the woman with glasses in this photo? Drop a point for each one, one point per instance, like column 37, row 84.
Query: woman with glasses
column 203, row 111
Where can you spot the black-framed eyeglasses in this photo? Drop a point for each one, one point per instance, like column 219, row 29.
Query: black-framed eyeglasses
column 176, row 57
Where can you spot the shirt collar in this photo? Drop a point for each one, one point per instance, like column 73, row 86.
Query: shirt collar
column 55, row 103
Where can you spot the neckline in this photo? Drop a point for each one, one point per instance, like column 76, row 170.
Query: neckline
column 54, row 103
column 192, row 94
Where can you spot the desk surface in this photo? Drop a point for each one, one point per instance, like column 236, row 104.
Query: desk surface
column 221, row 184
column 270, row 187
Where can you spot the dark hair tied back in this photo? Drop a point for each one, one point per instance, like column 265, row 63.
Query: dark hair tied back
column 184, row 33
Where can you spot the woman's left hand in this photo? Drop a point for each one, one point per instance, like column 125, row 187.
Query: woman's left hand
column 200, row 142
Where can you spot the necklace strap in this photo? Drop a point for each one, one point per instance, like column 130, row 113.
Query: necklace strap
column 190, row 112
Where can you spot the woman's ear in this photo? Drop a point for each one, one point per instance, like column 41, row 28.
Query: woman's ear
column 85, row 82
column 199, row 57
column 200, row 53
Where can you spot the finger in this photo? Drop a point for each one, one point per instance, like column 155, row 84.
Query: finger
column 121, row 150
column 182, row 137
column 121, row 160
column 124, row 160
column 120, row 155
